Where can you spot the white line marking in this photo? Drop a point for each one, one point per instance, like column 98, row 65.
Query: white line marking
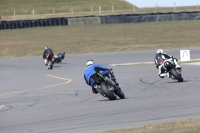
column 152, row 63
column 68, row 80
column 197, row 63
column 1, row 106
column 133, row 64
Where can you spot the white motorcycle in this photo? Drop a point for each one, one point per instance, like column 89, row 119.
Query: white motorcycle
column 170, row 67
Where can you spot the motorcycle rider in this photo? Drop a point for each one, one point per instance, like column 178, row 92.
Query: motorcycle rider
column 159, row 59
column 47, row 53
column 91, row 69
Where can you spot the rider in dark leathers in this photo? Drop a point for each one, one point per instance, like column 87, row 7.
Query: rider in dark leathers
column 160, row 58
column 47, row 52
column 93, row 68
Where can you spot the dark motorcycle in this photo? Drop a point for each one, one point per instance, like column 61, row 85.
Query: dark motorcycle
column 59, row 57
column 174, row 73
column 106, row 87
column 50, row 61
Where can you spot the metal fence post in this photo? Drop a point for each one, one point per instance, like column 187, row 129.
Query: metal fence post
column 99, row 9
column 156, row 7
column 91, row 10
column 14, row 14
column 33, row 12
column 72, row 11
column 174, row 6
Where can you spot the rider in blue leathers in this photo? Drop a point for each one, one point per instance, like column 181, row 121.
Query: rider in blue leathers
column 93, row 68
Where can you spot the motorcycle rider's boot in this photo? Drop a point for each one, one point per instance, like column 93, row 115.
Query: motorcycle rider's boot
column 167, row 74
column 162, row 75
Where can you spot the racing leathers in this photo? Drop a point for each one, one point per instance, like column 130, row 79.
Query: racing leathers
column 91, row 70
column 159, row 59
column 47, row 53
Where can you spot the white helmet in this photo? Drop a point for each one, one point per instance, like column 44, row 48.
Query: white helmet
column 46, row 47
column 160, row 51
column 89, row 62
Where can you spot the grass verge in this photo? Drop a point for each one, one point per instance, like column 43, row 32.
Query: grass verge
column 100, row 38
column 50, row 8
column 181, row 126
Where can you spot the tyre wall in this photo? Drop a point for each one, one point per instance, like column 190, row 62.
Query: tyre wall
column 109, row 19
column 32, row 23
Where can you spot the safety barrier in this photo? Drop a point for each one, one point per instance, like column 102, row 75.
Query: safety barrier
column 151, row 17
column 125, row 18
column 32, row 23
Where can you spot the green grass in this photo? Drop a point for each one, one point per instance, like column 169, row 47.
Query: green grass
column 70, row 8
column 100, row 38
column 181, row 126
column 24, row 7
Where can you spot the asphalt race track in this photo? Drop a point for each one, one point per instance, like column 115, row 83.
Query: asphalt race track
column 36, row 100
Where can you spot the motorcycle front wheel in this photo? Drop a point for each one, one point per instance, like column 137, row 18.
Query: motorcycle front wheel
column 120, row 93
column 176, row 75
column 50, row 64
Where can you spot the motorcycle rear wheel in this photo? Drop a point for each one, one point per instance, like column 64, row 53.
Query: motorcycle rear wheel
column 50, row 64
column 109, row 94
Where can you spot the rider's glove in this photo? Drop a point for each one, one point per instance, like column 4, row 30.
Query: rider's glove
column 111, row 71
column 157, row 66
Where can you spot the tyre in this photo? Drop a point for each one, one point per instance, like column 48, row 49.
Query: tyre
column 21, row 24
column 176, row 75
column 13, row 25
column 17, row 25
column 5, row 25
column 120, row 93
column 50, row 64
column 109, row 94
column 50, row 22
column 60, row 22
column 42, row 22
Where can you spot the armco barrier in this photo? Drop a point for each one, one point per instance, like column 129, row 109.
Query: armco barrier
column 125, row 18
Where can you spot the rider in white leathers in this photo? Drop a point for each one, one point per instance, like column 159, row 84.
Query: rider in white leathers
column 159, row 59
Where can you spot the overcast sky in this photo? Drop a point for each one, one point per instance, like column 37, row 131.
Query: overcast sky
column 167, row 3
